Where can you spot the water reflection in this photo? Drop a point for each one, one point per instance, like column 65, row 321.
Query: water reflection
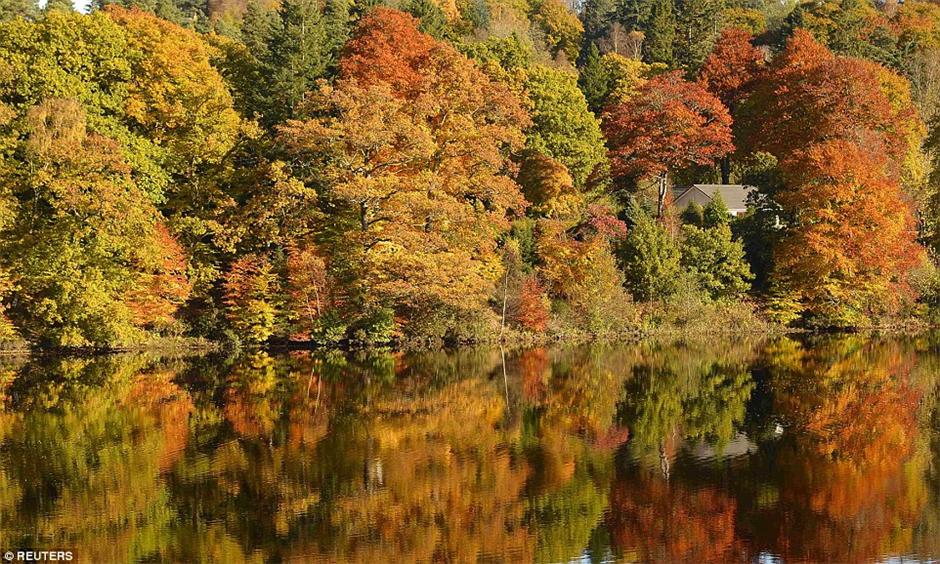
column 823, row 449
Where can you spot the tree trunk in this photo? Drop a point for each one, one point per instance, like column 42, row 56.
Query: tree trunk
column 502, row 323
column 661, row 203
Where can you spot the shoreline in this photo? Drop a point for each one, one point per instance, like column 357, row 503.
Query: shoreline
column 203, row 347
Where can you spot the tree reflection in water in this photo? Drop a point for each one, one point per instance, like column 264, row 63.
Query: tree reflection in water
column 822, row 449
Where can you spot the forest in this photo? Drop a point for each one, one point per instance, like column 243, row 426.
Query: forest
column 356, row 173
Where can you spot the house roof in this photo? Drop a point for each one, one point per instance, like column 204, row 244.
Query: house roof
column 733, row 195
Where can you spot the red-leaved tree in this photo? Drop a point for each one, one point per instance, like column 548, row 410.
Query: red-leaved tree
column 669, row 125
column 730, row 72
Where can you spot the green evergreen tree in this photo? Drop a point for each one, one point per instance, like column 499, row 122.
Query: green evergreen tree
column 339, row 17
column 649, row 257
column 715, row 260
column 596, row 16
column 594, row 80
column 660, row 33
column 433, row 20
column 694, row 214
column 299, row 54
column 635, row 14
column 715, row 213
column 253, row 91
column 257, row 29
column 698, row 23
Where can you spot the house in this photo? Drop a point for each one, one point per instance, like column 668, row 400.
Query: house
column 733, row 195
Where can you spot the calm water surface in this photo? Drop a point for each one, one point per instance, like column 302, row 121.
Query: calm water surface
column 824, row 449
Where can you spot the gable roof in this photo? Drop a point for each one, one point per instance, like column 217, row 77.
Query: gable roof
column 733, row 195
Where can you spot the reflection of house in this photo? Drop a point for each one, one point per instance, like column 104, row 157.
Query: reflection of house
column 733, row 195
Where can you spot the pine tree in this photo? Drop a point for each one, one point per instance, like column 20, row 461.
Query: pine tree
column 660, row 33
column 339, row 18
column 649, row 257
column 715, row 260
column 299, row 55
column 257, row 29
column 594, row 80
column 715, row 213
column 635, row 14
column 433, row 20
column 257, row 32
column 697, row 25
column 596, row 16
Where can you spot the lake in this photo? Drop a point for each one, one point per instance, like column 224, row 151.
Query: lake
column 788, row 449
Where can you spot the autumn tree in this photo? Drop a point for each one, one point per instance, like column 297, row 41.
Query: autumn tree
column 843, row 131
column 388, row 48
column 176, row 96
column 732, row 67
column 827, row 97
column 530, row 308
column 8, row 209
column 562, row 28
column 152, row 88
column 547, row 185
column 412, row 143
column 251, row 292
column 846, row 263
column 83, row 278
column 627, row 75
column 670, row 124
column 7, row 329
column 563, row 127
column 163, row 286
column 730, row 72
column 582, row 274
column 312, row 295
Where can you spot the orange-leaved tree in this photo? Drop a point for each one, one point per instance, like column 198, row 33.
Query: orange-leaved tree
column 416, row 165
column 730, row 72
column 843, row 130
column 163, row 286
column 853, row 239
column 812, row 95
column 387, row 47
column 250, row 286
column 670, row 124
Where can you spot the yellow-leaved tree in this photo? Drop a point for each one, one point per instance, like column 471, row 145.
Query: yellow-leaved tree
column 413, row 156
